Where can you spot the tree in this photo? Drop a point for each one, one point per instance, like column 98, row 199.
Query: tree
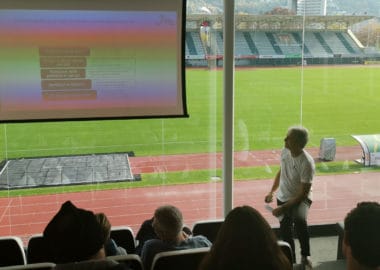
column 369, row 34
column 280, row 11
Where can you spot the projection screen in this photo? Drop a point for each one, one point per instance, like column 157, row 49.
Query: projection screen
column 98, row 59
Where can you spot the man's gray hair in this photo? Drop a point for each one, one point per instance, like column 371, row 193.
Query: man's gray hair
column 301, row 134
column 169, row 220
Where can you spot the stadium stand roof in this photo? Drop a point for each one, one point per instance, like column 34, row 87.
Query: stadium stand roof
column 273, row 22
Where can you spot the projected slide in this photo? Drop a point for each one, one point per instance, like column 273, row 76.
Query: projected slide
column 82, row 64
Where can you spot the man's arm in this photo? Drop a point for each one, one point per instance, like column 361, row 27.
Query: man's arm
column 276, row 183
column 300, row 196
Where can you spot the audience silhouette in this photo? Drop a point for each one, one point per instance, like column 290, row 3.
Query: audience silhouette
column 74, row 234
column 76, row 240
column 110, row 246
column 145, row 233
column 245, row 241
column 361, row 242
column 168, row 226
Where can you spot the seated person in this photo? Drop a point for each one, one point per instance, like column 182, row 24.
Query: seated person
column 75, row 235
column 245, row 241
column 168, row 224
column 110, row 246
column 146, row 232
column 361, row 241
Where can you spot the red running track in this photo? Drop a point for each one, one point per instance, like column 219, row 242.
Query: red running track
column 334, row 196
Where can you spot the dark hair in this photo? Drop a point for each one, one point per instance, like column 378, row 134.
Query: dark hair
column 73, row 234
column 301, row 134
column 362, row 233
column 245, row 241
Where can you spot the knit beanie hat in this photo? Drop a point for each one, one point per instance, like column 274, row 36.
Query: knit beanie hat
column 74, row 234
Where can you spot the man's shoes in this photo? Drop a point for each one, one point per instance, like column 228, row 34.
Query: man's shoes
column 306, row 263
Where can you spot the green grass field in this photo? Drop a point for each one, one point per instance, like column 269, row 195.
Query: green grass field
column 336, row 102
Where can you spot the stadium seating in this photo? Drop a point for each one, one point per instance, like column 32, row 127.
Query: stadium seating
column 12, row 251
column 124, row 237
column 262, row 43
column 187, row 259
column 37, row 251
column 131, row 260
column 194, row 45
column 241, row 45
column 335, row 43
column 287, row 249
column 207, row 228
column 340, row 231
column 34, row 266
column 89, row 264
column 278, row 47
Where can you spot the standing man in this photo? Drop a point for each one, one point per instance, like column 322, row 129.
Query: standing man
column 293, row 181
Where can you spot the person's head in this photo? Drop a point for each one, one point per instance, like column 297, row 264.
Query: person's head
column 74, row 234
column 361, row 244
column 167, row 223
column 296, row 138
column 105, row 224
column 245, row 241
